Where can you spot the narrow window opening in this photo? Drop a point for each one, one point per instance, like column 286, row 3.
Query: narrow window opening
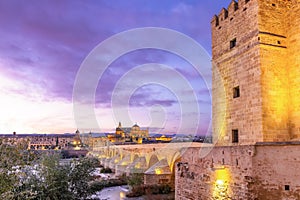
column 232, row 43
column 235, row 136
column 237, row 162
column 223, row 152
column 223, row 161
column 258, row 38
column 287, row 187
column 236, row 92
column 236, row 6
column 226, row 14
column 217, row 21
column 278, row 42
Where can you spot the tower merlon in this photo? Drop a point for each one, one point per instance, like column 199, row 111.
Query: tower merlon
column 229, row 13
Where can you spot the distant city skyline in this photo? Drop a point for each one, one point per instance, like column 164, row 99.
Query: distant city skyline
column 43, row 44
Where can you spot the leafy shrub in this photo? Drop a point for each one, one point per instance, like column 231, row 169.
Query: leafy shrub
column 135, row 179
column 99, row 185
column 106, row 170
column 26, row 175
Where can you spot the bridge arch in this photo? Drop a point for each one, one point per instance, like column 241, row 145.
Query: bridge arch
column 153, row 159
column 175, row 158
column 134, row 157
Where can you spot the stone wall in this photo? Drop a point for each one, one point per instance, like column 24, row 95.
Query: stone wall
column 264, row 62
column 272, row 16
column 236, row 66
column 293, row 35
column 221, row 174
column 157, row 179
column 255, row 46
column 276, row 166
column 262, row 172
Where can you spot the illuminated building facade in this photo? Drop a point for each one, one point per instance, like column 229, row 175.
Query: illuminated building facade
column 256, row 72
column 41, row 141
column 256, row 107
column 129, row 134
column 77, row 143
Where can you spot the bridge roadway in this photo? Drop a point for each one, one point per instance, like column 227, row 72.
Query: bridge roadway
column 156, row 158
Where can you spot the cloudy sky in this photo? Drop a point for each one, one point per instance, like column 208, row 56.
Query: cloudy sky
column 45, row 47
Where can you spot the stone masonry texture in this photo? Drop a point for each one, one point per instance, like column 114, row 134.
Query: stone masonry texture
column 256, row 53
column 264, row 64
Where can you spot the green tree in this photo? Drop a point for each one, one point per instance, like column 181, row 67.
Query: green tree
column 136, row 179
column 15, row 158
column 80, row 177
column 51, row 180
column 69, row 181
column 26, row 175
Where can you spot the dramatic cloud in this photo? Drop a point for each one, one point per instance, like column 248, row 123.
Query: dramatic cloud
column 43, row 44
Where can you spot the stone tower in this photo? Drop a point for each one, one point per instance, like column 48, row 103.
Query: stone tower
column 256, row 72
column 119, row 131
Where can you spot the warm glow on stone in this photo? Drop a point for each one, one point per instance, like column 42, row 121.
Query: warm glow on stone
column 158, row 171
column 122, row 195
column 138, row 165
column 77, row 148
column 221, row 187
column 124, row 163
column 219, row 182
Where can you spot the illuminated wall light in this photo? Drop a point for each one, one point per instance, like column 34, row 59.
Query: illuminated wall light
column 220, row 182
column 138, row 165
column 77, row 148
column 222, row 173
column 158, row 171
column 124, row 163
column 122, row 195
column 221, row 187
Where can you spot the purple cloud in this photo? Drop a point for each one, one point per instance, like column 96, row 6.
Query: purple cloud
column 43, row 44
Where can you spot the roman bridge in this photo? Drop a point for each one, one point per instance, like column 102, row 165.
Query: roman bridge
column 154, row 160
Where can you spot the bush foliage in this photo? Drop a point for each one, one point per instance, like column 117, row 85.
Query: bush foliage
column 106, row 170
column 26, row 175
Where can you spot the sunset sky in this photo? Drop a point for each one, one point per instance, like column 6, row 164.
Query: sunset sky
column 44, row 43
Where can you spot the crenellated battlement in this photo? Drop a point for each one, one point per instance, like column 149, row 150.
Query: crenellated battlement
column 255, row 106
column 255, row 46
column 230, row 12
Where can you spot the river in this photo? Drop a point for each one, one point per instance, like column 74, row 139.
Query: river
column 115, row 193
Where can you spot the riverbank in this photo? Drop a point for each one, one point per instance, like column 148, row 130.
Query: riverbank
column 119, row 193
column 114, row 193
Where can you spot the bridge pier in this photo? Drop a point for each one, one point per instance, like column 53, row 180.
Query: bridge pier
column 159, row 173
column 139, row 165
column 121, row 166
column 155, row 161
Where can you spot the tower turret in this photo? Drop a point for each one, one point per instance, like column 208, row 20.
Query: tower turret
column 251, row 42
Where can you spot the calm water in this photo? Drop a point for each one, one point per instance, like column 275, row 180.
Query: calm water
column 115, row 193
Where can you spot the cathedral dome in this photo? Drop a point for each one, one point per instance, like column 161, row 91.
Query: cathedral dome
column 136, row 126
